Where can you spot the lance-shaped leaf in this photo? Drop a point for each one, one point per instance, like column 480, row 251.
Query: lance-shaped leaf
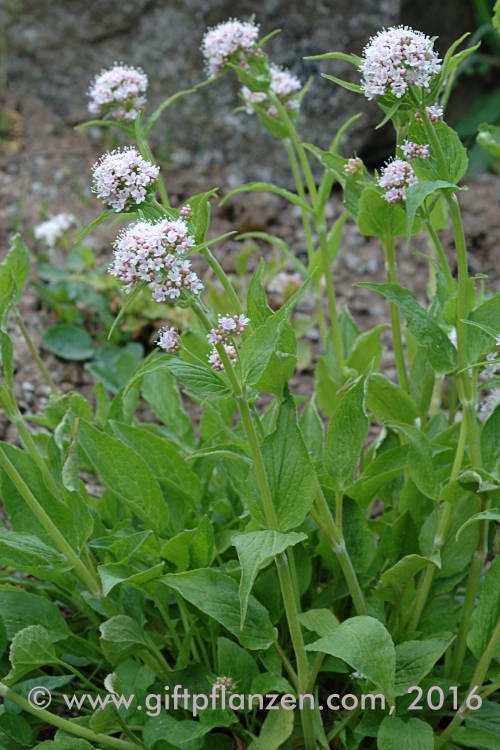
column 440, row 350
column 487, row 613
column 255, row 550
column 28, row 553
column 389, row 401
column 121, row 637
column 346, row 436
column 395, row 734
column 420, row 460
column 414, row 660
column 416, row 195
column 269, row 188
column 290, row 474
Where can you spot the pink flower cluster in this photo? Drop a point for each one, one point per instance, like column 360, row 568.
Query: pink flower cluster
column 394, row 59
column 122, row 178
column 227, row 327
column 53, row 229
column 283, row 84
column 415, row 151
column 227, row 42
column 353, row 165
column 154, row 253
column 186, row 211
column 395, row 177
column 168, row 340
column 434, row 113
column 121, row 88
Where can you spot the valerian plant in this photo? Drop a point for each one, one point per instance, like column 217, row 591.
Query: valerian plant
column 277, row 545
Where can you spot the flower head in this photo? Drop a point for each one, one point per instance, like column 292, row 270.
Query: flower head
column 122, row 178
column 215, row 361
column 353, row 165
column 415, row 151
column 225, row 683
column 122, row 88
column 155, row 253
column 394, row 59
column 51, row 230
column 227, row 326
column 168, row 339
column 228, row 42
column 434, row 112
column 395, row 177
column 283, row 84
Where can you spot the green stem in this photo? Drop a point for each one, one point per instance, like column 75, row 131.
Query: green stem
column 476, row 682
column 392, row 275
column 337, row 542
column 221, row 275
column 53, row 387
column 309, row 241
column 65, row 724
column 80, row 569
column 286, row 663
column 442, row 256
column 330, row 293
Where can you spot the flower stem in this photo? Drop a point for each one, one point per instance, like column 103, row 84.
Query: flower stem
column 80, row 569
column 53, row 387
column 330, row 292
column 65, row 724
column 221, row 275
column 392, row 275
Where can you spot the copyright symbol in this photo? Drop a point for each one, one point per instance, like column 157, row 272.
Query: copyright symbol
column 39, row 697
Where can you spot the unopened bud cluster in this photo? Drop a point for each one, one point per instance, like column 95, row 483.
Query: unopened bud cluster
column 284, row 85
column 227, row 327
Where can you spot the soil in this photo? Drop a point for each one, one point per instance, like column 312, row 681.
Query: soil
column 44, row 169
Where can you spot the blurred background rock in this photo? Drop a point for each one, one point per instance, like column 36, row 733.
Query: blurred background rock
column 53, row 49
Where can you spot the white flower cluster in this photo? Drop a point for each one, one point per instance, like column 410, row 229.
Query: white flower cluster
column 396, row 58
column 228, row 41
column 122, row 178
column 415, row 150
column 395, row 177
column 283, row 84
column 168, row 339
column 52, row 230
column 122, row 89
column 155, row 253
column 227, row 327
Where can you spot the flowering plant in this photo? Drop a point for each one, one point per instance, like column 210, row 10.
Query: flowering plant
column 339, row 544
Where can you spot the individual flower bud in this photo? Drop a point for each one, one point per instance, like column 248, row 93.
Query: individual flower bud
column 415, row 151
column 215, row 360
column 353, row 165
column 396, row 58
column 395, row 177
column 283, row 84
column 168, row 339
column 434, row 112
column 228, row 42
column 122, row 89
column 186, row 211
column 53, row 229
column 122, row 178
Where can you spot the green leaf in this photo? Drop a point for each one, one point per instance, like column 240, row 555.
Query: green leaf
column 346, row 436
column 64, row 743
column 17, row 729
column 416, row 195
column 20, row 608
column 192, row 548
column 488, row 314
column 257, row 307
column 420, row 465
column 17, row 264
column 215, row 594
column 312, row 430
column 345, row 84
column 378, row 218
column 124, row 472
column 453, row 150
column 489, row 138
column 395, row 734
column 486, row 614
column 28, row 553
column 68, row 342
column 161, row 392
column 440, row 350
column 414, row 660
column 321, row 621
column 291, row 477
column 490, row 441
column 255, row 550
column 114, row 574
column 478, row 739
column 393, row 580
column 388, row 401
column 30, row 649
column 199, row 379
column 485, row 515
column 269, row 188
column 277, row 727
column 3, row 637
column 366, row 351
column 121, row 637
column 235, row 662
column 366, row 645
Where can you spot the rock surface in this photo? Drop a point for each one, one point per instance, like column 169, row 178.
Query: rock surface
column 55, row 49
